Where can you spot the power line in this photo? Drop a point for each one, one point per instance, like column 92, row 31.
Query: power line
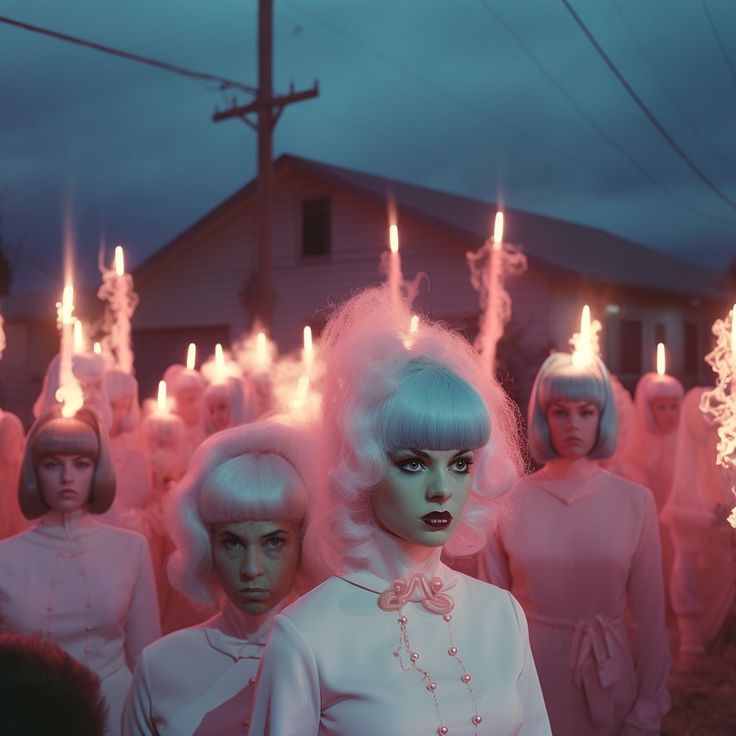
column 588, row 118
column 717, row 36
column 406, row 71
column 718, row 155
column 223, row 82
column 647, row 112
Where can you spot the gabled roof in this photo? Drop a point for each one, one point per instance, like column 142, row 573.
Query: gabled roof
column 552, row 245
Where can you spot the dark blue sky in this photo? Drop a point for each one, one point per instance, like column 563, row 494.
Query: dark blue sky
column 502, row 97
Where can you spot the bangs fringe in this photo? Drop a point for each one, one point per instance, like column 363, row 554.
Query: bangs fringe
column 59, row 440
column 252, row 488
column 572, row 386
column 433, row 409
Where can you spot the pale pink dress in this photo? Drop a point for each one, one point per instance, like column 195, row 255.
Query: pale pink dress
column 86, row 586
column 199, row 681
column 579, row 558
column 702, row 588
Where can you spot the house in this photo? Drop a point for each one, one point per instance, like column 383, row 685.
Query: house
column 330, row 228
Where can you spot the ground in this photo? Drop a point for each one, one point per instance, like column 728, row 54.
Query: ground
column 704, row 695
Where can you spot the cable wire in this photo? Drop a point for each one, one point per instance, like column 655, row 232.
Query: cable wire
column 647, row 112
column 719, row 41
column 223, row 82
column 589, row 119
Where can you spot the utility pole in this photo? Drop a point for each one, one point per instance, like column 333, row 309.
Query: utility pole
column 267, row 108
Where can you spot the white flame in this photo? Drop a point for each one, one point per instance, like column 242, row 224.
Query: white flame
column 161, row 400
column 119, row 261
column 191, row 356
column 219, row 362
column 414, row 324
column 393, row 238
column 308, row 352
column 66, row 313
column 498, row 231
column 78, row 337
column 97, row 348
column 661, row 359
column 585, row 343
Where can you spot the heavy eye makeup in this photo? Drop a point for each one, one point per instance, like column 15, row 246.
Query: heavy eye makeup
column 414, row 461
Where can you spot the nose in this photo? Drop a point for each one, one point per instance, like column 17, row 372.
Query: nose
column 252, row 565
column 438, row 486
column 66, row 472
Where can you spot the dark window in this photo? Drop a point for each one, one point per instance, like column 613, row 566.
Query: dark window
column 316, row 227
column 630, row 346
column 660, row 333
column 692, row 354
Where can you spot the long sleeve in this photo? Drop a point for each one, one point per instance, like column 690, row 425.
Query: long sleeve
column 143, row 625
column 650, row 646
column 493, row 563
column 137, row 720
column 287, row 700
column 535, row 719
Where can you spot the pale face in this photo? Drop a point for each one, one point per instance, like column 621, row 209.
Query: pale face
column 256, row 561
column 120, row 408
column 666, row 413
column 422, row 495
column 188, row 405
column 219, row 413
column 93, row 392
column 573, row 427
column 65, row 481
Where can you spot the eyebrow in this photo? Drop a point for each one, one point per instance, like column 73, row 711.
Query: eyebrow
column 415, row 451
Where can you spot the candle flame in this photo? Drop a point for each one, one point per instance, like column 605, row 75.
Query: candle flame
column 393, row 238
column 161, row 401
column 191, row 356
column 498, row 230
column 308, row 347
column 97, row 348
column 414, row 324
column 661, row 360
column 78, row 337
column 67, row 305
column 219, row 361
column 119, row 261
column 585, row 343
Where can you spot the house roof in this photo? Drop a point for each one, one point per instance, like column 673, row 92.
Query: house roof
column 557, row 246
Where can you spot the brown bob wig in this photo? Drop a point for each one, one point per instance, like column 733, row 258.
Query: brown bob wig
column 53, row 434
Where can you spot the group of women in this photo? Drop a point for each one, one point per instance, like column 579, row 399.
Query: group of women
column 327, row 556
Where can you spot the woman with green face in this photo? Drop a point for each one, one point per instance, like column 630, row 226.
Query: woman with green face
column 236, row 520
column 415, row 442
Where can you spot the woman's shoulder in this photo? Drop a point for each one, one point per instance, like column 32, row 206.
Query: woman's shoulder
column 627, row 489
column 122, row 536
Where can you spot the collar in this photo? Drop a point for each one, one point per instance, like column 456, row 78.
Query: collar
column 569, row 490
column 240, row 635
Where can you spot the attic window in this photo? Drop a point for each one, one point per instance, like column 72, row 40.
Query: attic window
column 315, row 227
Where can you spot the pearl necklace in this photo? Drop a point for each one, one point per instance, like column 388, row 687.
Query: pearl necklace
column 428, row 594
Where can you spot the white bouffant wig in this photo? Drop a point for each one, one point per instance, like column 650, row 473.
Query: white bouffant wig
column 385, row 389
column 652, row 386
column 119, row 385
column 255, row 472
column 236, row 394
column 560, row 380
column 89, row 370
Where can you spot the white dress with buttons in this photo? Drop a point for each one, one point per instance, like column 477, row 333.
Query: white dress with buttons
column 88, row 587
column 198, row 681
column 338, row 663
